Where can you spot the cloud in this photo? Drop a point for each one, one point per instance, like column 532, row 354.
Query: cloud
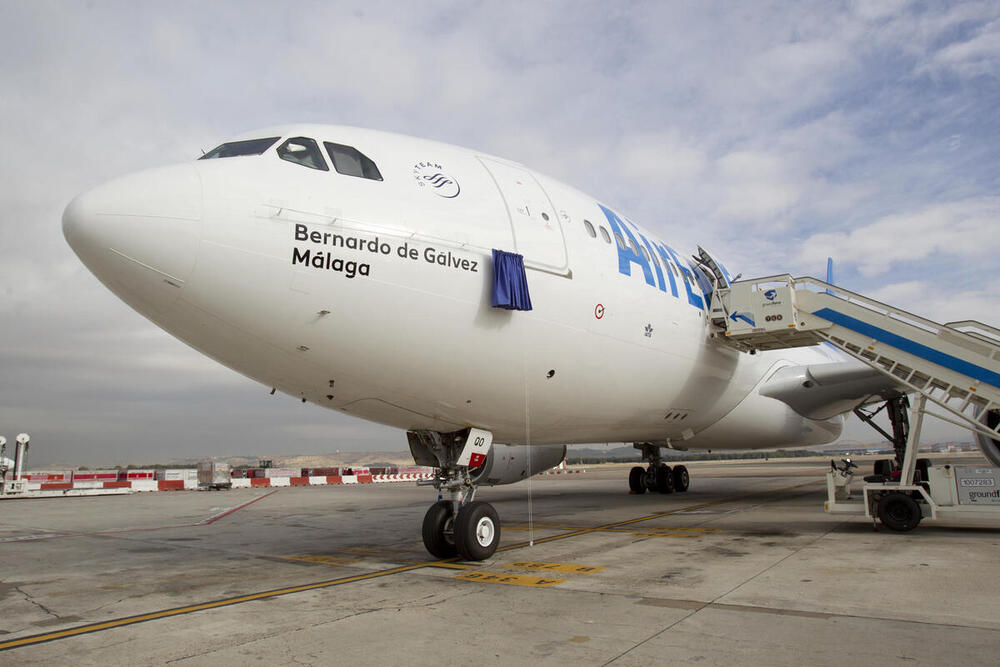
column 653, row 159
column 756, row 187
column 772, row 134
column 959, row 229
column 941, row 303
column 977, row 56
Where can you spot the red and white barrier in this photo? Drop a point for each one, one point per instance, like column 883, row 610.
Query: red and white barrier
column 97, row 482
column 402, row 477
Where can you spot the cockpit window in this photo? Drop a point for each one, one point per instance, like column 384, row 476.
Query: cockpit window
column 304, row 151
column 239, row 148
column 352, row 162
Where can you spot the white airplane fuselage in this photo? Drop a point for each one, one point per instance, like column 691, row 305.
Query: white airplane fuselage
column 372, row 297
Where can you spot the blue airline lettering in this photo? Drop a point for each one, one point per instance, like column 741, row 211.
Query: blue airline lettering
column 627, row 257
column 666, row 262
column 649, row 248
column 693, row 298
column 656, row 265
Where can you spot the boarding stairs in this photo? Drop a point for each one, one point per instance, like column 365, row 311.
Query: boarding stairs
column 954, row 366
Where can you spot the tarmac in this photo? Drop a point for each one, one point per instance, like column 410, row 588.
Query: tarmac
column 745, row 568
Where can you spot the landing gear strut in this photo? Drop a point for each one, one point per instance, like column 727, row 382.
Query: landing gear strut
column 896, row 409
column 897, row 510
column 456, row 524
column 658, row 476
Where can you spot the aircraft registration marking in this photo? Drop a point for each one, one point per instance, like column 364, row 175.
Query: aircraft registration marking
column 556, row 567
column 509, row 579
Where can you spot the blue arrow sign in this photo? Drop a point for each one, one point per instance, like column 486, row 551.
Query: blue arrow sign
column 741, row 316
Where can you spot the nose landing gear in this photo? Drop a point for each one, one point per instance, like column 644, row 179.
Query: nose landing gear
column 456, row 524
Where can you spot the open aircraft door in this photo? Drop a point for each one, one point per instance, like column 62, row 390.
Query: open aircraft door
column 538, row 233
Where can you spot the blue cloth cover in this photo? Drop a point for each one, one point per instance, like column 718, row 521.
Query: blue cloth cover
column 510, row 285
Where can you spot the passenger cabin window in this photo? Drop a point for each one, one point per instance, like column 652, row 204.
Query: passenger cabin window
column 240, row 148
column 605, row 235
column 304, row 151
column 621, row 242
column 590, row 228
column 350, row 161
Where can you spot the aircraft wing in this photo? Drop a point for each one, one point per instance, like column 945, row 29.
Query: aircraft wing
column 821, row 391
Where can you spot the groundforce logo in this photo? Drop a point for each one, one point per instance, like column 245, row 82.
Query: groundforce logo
column 432, row 176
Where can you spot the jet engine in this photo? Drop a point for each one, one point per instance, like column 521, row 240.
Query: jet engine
column 990, row 446
column 506, row 464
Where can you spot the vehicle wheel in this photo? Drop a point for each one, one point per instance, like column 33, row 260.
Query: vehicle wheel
column 664, row 479
column 477, row 531
column 681, row 479
column 899, row 511
column 635, row 480
column 436, row 521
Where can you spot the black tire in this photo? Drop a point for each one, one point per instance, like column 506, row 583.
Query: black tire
column 899, row 512
column 438, row 543
column 636, row 481
column 682, row 480
column 477, row 531
column 664, row 479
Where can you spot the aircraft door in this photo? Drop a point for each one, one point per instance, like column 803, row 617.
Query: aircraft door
column 537, row 230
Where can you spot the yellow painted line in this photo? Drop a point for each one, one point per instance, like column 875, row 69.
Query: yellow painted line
column 524, row 525
column 177, row 611
column 509, row 579
column 555, row 567
column 452, row 566
column 479, row 576
column 658, row 534
column 323, row 559
column 695, row 532
column 659, row 515
column 692, row 530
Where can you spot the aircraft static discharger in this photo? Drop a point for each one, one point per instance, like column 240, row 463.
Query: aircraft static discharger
column 456, row 295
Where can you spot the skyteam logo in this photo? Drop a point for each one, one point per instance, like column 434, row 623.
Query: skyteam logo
column 771, row 294
column 432, row 176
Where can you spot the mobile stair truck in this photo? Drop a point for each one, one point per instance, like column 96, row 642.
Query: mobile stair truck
column 952, row 370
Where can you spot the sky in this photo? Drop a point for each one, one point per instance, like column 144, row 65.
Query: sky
column 774, row 134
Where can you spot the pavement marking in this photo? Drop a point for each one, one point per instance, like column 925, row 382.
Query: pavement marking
column 323, row 559
column 648, row 517
column 555, row 567
column 524, row 525
column 509, row 579
column 681, row 533
column 208, row 521
column 28, row 538
column 481, row 576
column 215, row 604
column 227, row 511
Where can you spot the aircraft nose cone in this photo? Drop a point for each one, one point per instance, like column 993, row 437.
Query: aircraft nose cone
column 140, row 230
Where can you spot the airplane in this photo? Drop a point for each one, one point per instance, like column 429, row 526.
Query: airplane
column 456, row 295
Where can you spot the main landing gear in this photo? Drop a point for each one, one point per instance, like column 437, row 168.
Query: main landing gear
column 457, row 524
column 658, row 476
